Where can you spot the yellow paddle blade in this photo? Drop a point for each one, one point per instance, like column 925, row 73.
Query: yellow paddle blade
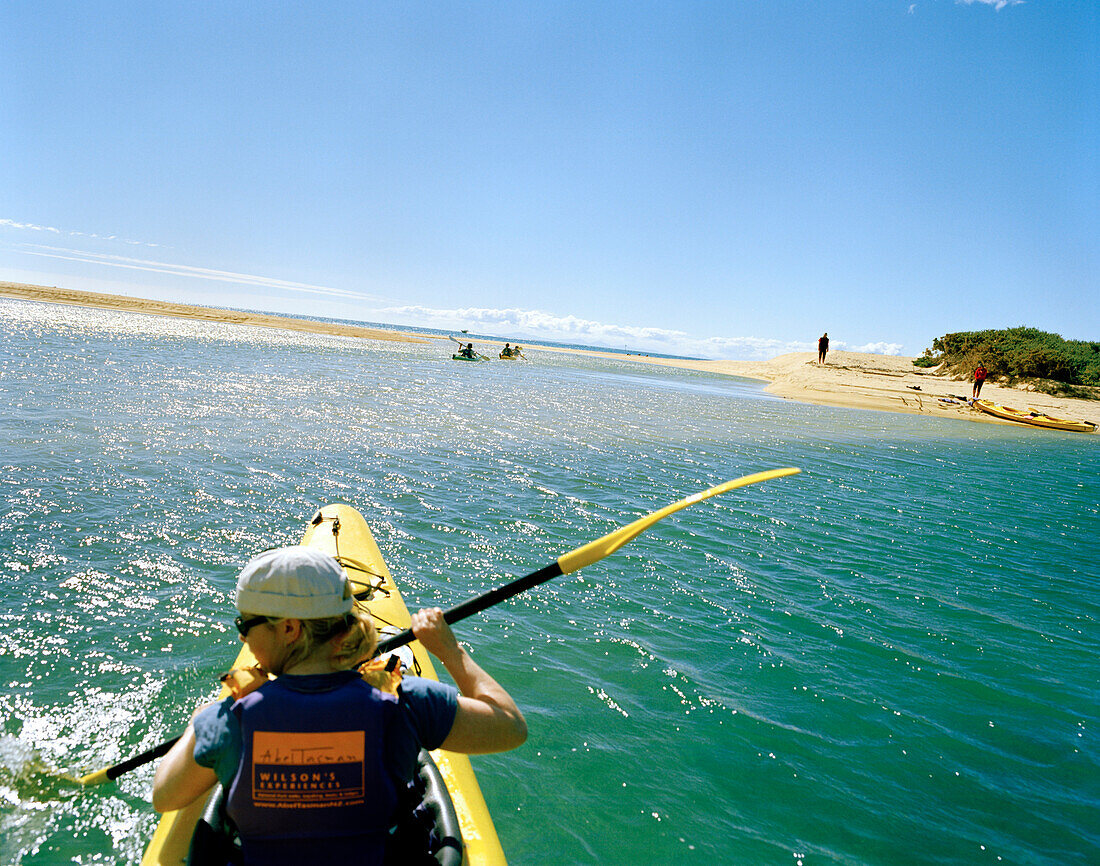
column 601, row 547
column 96, row 778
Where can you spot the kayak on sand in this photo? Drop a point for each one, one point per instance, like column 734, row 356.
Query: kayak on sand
column 452, row 793
column 1033, row 417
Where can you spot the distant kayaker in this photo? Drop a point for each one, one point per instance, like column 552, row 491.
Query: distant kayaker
column 316, row 761
column 980, row 374
column 467, row 351
column 507, row 353
column 822, row 347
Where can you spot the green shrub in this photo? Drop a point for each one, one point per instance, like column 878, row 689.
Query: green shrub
column 1018, row 353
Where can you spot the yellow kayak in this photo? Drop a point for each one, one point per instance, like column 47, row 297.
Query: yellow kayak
column 342, row 531
column 1041, row 419
column 1034, row 417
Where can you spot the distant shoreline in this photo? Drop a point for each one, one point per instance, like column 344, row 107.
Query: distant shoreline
column 102, row 301
column 849, row 379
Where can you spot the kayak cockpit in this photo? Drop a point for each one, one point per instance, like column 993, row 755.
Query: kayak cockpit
column 427, row 831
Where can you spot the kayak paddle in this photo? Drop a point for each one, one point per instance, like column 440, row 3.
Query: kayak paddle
column 113, row 772
column 584, row 555
column 485, row 357
column 587, row 554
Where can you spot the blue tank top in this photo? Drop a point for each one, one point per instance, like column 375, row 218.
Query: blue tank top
column 312, row 779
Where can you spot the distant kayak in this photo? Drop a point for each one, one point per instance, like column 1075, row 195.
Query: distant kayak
column 1034, row 417
column 504, row 357
column 468, row 358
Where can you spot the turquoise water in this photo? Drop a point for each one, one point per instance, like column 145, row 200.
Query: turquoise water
column 891, row 658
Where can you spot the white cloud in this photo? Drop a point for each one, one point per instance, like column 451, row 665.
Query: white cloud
column 996, row 4
column 116, row 261
column 535, row 325
column 13, row 224
column 189, row 271
column 880, row 348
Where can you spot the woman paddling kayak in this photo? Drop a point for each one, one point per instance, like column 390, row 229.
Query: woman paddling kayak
column 314, row 762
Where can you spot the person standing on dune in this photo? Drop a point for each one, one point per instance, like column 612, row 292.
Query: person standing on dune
column 822, row 347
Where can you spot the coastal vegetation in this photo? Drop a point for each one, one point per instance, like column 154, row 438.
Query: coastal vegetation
column 1047, row 361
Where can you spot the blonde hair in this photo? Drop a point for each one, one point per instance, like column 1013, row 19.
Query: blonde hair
column 355, row 630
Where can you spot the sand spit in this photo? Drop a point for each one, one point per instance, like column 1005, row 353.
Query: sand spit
column 887, row 383
column 847, row 379
column 103, row 301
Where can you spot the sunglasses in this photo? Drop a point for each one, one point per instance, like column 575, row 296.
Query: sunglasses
column 244, row 626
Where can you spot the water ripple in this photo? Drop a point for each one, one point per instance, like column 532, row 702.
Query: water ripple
column 887, row 659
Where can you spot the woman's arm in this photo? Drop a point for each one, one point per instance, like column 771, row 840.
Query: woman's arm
column 179, row 781
column 487, row 720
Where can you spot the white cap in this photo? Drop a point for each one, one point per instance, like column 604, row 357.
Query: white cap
column 298, row 582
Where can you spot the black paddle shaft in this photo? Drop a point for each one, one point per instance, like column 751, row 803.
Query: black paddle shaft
column 138, row 760
column 477, row 604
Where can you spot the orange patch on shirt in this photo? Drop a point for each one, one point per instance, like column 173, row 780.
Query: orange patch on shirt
column 292, row 770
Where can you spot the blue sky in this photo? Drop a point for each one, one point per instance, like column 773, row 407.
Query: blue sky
column 723, row 179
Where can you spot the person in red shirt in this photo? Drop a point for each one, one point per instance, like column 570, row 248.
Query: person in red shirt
column 979, row 377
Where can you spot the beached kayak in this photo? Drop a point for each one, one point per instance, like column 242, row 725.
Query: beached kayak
column 342, row 531
column 1041, row 419
column 1034, row 417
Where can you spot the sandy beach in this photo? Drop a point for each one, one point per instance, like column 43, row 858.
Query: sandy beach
column 847, row 379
